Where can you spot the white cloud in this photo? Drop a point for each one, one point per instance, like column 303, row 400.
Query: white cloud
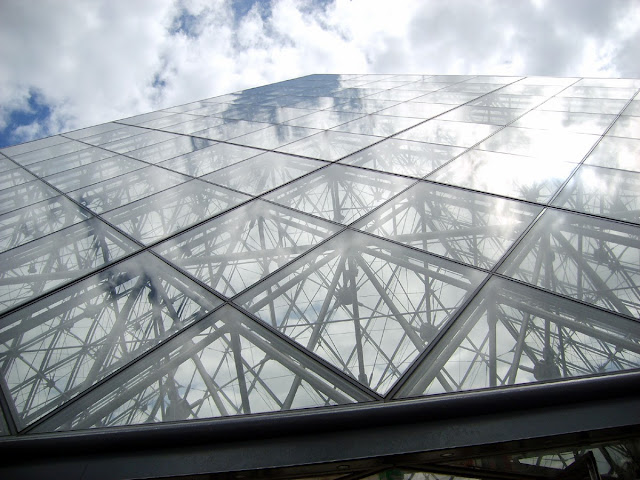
column 95, row 61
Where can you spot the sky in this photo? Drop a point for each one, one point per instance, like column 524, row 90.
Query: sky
column 67, row 64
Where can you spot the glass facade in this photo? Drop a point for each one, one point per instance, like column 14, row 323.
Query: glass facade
column 325, row 241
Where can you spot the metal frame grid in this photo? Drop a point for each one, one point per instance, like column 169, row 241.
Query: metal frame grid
column 324, row 241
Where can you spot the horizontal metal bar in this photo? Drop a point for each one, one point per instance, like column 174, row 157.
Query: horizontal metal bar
column 340, row 434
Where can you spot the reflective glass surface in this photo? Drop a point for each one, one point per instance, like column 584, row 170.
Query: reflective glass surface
column 88, row 174
column 339, row 193
column 584, row 105
column 274, row 136
column 303, row 244
column 468, row 227
column 263, row 173
column 224, row 365
column 34, row 156
column 103, row 136
column 593, row 260
column 633, row 109
column 24, row 194
column 380, row 125
column 367, row 306
column 61, row 345
column 169, row 149
column 209, row 159
column 324, row 119
column 512, row 334
column 565, row 121
column 416, row 110
column 481, row 114
column 404, row 157
column 626, row 126
column 135, row 142
column 606, row 192
column 32, row 146
column 90, row 131
column 543, row 144
column 69, row 161
column 616, row 152
column 329, row 145
column 169, row 211
column 460, row 134
column 233, row 251
column 124, row 189
column 37, row 267
column 535, row 180
column 13, row 177
column 231, row 129
column 37, row 220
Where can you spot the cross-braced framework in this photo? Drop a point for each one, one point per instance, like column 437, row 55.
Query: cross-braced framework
column 443, row 254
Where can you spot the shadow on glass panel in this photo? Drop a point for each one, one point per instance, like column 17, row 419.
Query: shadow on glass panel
column 234, row 251
column 593, row 260
column 460, row 134
column 169, row 211
column 512, row 334
column 24, row 195
column 43, row 264
column 69, row 161
column 404, row 157
column 124, row 189
column 264, row 172
column 468, row 227
column 339, row 193
column 330, row 145
column 61, row 345
column 367, row 306
column 35, row 221
column 223, row 365
column 209, row 159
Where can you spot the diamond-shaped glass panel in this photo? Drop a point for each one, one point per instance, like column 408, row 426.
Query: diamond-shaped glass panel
column 460, row 134
column 339, row 193
column 235, row 250
column 593, row 260
column 465, row 226
column 37, row 220
column 330, row 145
column 127, row 188
column 210, row 159
column 167, row 212
column 48, row 262
column 263, row 173
column 404, row 157
column 367, row 306
column 61, row 345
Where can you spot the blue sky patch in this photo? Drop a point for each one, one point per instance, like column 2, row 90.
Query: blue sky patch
column 37, row 111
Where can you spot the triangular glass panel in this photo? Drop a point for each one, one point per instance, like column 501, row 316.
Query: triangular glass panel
column 513, row 334
column 226, row 364
column 64, row 343
column 366, row 305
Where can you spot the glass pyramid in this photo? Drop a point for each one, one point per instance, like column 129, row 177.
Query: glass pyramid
column 324, row 244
